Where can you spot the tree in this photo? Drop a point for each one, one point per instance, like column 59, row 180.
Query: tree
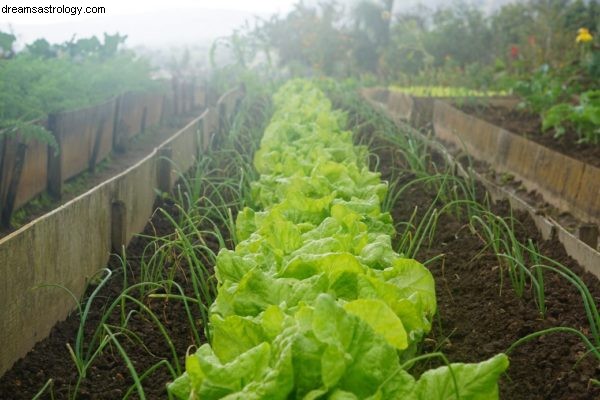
column 42, row 49
column 7, row 41
column 371, row 34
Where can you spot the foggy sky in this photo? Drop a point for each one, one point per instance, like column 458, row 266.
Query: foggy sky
column 157, row 23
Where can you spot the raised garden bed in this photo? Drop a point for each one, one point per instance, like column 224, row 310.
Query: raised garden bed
column 567, row 183
column 69, row 245
column 530, row 126
column 49, row 369
column 549, row 177
column 118, row 162
column 108, row 377
column 480, row 315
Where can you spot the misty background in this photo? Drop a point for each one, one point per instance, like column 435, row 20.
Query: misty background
column 163, row 24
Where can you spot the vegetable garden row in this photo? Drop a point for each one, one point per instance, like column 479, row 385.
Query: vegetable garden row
column 315, row 292
column 312, row 248
column 314, row 302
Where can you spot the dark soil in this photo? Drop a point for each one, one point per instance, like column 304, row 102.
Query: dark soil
column 530, row 126
column 108, row 376
column 478, row 316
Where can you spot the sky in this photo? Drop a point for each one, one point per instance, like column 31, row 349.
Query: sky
column 123, row 7
column 150, row 22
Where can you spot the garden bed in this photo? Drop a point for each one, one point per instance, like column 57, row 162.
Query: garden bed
column 530, row 126
column 143, row 330
column 139, row 147
column 480, row 316
column 108, row 377
column 558, row 186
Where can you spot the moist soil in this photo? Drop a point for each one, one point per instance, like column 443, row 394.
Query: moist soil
column 108, row 376
column 479, row 316
column 530, row 126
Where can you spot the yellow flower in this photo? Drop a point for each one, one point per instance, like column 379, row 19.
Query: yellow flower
column 385, row 15
column 583, row 36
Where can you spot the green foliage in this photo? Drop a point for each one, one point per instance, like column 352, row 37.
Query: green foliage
column 584, row 117
column 444, row 91
column 307, row 38
column 38, row 82
column 456, row 44
column 453, row 28
column 551, row 93
column 323, row 351
column 542, row 90
column 80, row 48
column 594, row 66
column 314, row 302
column 6, row 44
column 41, row 48
column 371, row 34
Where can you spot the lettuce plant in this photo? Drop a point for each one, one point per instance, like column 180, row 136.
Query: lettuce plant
column 314, row 303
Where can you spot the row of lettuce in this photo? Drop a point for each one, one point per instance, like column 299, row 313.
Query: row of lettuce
column 314, row 303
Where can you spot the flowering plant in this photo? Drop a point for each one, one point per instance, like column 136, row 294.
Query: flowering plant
column 583, row 36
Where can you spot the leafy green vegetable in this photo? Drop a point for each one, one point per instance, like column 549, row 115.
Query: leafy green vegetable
column 475, row 381
column 584, row 117
column 314, row 303
column 381, row 318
